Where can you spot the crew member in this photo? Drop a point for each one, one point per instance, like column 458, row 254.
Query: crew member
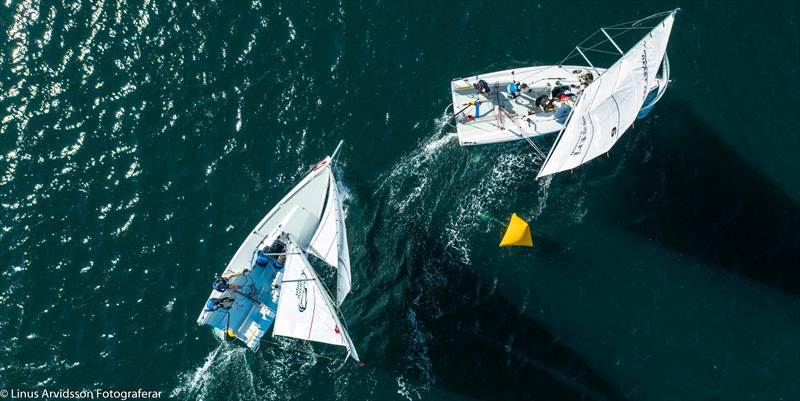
column 482, row 87
column 216, row 303
column 514, row 90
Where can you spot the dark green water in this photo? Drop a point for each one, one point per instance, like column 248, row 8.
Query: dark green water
column 140, row 141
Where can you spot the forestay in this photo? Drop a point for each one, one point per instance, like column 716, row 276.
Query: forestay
column 609, row 105
column 329, row 242
column 305, row 309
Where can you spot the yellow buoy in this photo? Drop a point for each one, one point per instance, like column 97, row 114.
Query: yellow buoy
column 518, row 233
column 231, row 333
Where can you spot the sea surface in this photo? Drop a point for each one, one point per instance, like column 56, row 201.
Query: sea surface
column 140, row 142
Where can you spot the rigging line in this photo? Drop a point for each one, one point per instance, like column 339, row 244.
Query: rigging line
column 571, row 53
column 602, row 51
column 606, row 40
column 612, row 41
column 321, row 283
column 536, row 148
column 533, row 74
column 247, row 296
column 459, row 112
column 638, row 21
column 588, row 37
column 628, row 28
column 330, row 305
column 588, row 61
column 528, row 139
column 623, row 28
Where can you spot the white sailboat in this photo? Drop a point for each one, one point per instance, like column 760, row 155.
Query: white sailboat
column 590, row 107
column 270, row 280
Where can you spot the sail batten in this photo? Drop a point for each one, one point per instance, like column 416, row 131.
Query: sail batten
column 610, row 104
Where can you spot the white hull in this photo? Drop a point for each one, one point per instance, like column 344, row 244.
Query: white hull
column 501, row 118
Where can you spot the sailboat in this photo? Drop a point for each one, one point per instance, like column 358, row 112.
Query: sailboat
column 590, row 107
column 270, row 282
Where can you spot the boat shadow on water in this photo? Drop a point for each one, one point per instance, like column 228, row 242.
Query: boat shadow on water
column 476, row 343
column 696, row 195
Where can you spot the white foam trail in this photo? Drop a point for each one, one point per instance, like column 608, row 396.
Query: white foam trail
column 277, row 371
column 193, row 383
column 488, row 190
column 417, row 360
column 416, row 168
column 542, row 198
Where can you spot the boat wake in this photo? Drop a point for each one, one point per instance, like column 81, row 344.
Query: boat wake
column 440, row 194
column 234, row 373
column 413, row 175
column 193, row 385
column 504, row 173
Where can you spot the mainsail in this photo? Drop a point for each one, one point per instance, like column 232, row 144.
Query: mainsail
column 610, row 104
column 329, row 242
column 305, row 310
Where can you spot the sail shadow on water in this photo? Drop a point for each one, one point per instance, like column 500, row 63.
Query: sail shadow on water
column 698, row 196
column 454, row 316
column 452, row 313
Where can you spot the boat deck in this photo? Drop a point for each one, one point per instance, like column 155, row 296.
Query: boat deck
column 498, row 117
column 254, row 306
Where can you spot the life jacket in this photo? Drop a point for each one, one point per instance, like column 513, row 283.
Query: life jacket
column 261, row 259
column 212, row 304
column 220, row 284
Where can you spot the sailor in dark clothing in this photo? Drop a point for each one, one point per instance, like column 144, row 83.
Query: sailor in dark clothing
column 216, row 303
column 587, row 78
column 543, row 102
column 559, row 90
column 222, row 283
column 482, row 87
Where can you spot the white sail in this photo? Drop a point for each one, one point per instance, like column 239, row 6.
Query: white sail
column 610, row 104
column 329, row 242
column 305, row 309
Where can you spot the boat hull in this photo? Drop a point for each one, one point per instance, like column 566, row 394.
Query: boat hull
column 253, row 310
column 496, row 117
